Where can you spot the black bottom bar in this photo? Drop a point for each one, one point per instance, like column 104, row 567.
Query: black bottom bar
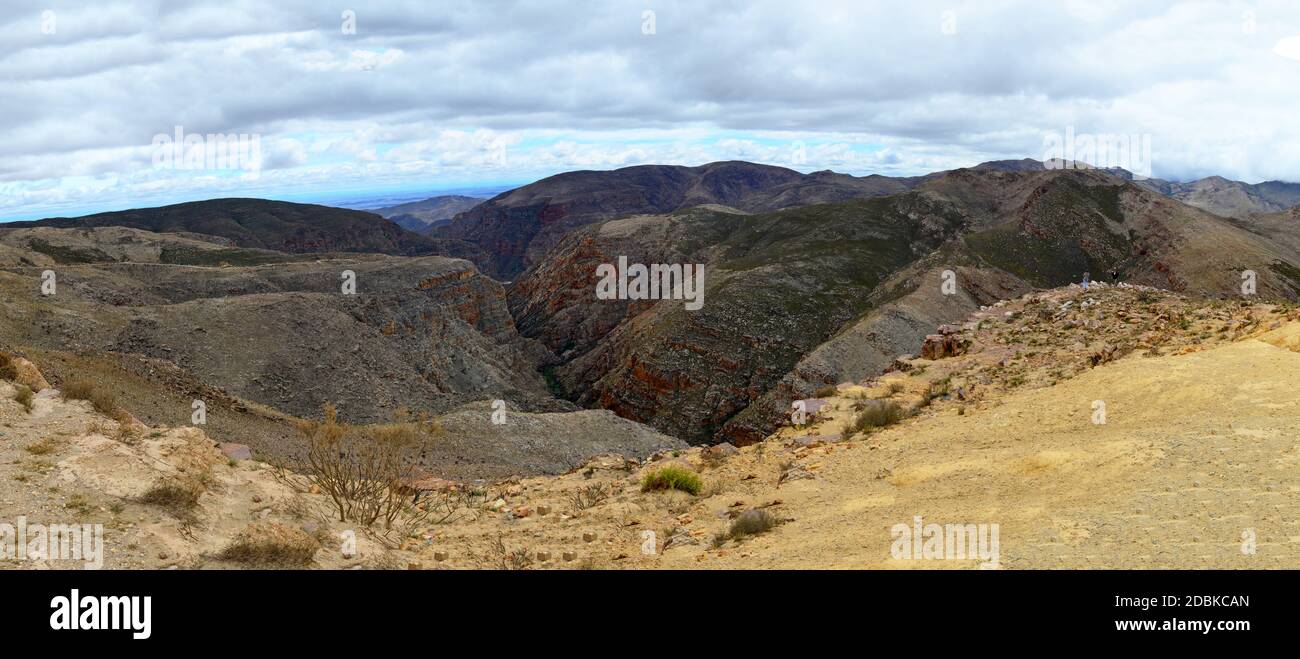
column 539, row 609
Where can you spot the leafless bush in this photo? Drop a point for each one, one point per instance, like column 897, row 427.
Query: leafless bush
column 361, row 468
column 500, row 557
column 590, row 495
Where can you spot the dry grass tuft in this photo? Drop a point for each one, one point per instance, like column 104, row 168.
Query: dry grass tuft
column 23, row 394
column 268, row 543
column 44, row 447
column 103, row 400
column 179, row 496
column 874, row 414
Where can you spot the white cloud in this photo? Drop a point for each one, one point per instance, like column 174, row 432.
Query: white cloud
column 473, row 91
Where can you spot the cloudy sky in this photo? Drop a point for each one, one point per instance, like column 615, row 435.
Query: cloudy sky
column 343, row 99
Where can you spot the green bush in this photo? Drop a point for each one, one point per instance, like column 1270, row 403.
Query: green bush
column 672, row 477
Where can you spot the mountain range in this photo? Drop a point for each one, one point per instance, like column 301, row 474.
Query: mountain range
column 812, row 279
column 424, row 215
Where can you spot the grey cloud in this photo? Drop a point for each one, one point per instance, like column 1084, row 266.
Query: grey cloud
column 116, row 73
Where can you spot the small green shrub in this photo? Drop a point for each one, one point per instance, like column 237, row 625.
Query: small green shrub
column 826, row 391
column 672, row 477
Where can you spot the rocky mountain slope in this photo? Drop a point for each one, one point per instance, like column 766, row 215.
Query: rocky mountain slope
column 1188, row 466
column 804, row 297
column 516, row 228
column 1216, row 194
column 275, row 338
column 1281, row 228
column 1229, row 198
column 107, row 244
column 424, row 333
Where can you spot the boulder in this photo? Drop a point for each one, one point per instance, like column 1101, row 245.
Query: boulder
column 26, row 373
column 944, row 344
column 236, row 451
column 719, row 451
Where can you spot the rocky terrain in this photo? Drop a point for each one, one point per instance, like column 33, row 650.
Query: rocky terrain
column 1229, row 198
column 275, row 338
column 1188, row 466
column 797, row 295
column 1218, row 195
column 928, row 326
column 804, row 297
column 1194, row 455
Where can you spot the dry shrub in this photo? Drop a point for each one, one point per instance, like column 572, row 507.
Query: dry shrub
column 441, row 506
column 826, row 391
column 43, row 447
column 500, row 557
column 590, row 495
column 362, row 468
column 268, row 543
column 179, row 496
column 7, row 369
column 103, row 400
column 874, row 414
column 751, row 522
column 23, row 394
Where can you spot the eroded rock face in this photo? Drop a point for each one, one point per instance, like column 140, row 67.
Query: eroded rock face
column 947, row 343
column 425, row 333
column 822, row 294
column 777, row 285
